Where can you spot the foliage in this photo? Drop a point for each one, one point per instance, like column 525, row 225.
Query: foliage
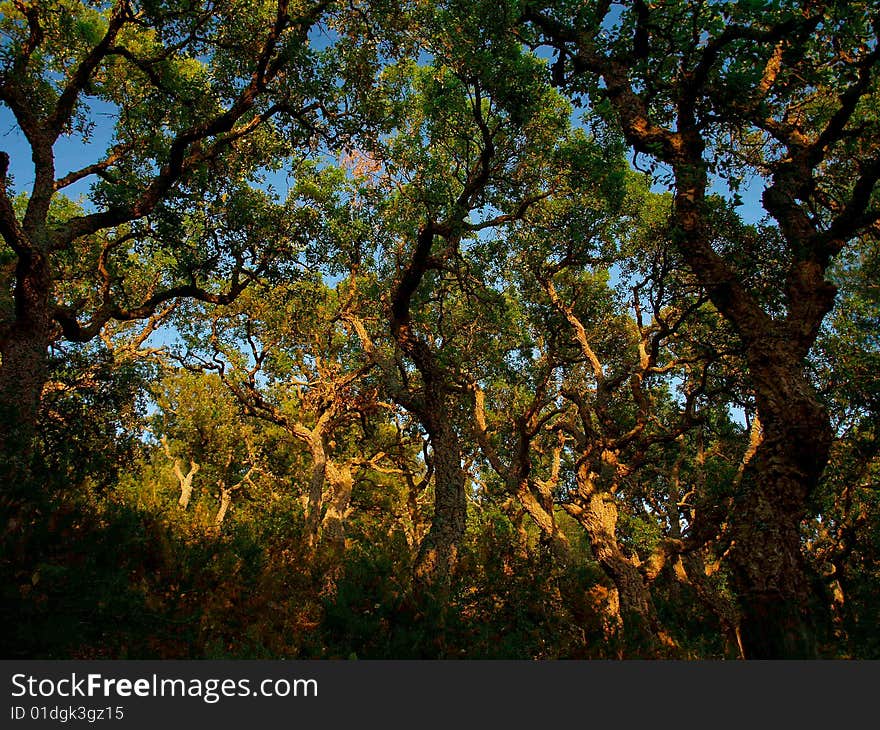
column 439, row 330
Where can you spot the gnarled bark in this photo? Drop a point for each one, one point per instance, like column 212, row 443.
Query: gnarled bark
column 23, row 373
column 596, row 511
column 338, row 509
column 432, row 405
column 778, row 605
column 438, row 552
column 772, row 581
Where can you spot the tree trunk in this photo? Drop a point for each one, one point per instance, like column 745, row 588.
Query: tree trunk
column 333, row 524
column 225, row 502
column 691, row 570
column 414, row 526
column 542, row 516
column 186, row 482
column 23, row 373
column 598, row 515
column 316, row 493
column 438, row 553
column 775, row 592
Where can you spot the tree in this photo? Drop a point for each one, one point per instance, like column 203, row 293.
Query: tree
column 842, row 538
column 471, row 151
column 604, row 395
column 435, row 369
column 785, row 94
column 204, row 435
column 301, row 373
column 199, row 95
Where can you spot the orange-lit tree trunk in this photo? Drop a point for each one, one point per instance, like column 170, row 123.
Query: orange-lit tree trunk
column 338, row 507
column 596, row 511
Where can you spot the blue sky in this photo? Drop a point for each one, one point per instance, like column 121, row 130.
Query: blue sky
column 71, row 153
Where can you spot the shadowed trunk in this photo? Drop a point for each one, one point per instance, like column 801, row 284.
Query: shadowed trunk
column 23, row 373
column 769, row 570
column 438, row 553
column 771, row 577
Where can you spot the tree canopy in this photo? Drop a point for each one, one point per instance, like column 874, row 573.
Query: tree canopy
column 523, row 330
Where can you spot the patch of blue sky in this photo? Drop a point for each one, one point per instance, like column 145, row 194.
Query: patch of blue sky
column 72, row 152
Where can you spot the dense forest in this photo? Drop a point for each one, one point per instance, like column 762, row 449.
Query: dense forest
column 458, row 329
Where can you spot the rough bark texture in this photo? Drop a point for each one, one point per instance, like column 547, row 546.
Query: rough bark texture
column 225, row 502
column 27, row 331
column 772, row 582
column 770, row 573
column 23, row 373
column 22, row 376
column 597, row 513
column 316, row 491
column 438, row 553
column 333, row 524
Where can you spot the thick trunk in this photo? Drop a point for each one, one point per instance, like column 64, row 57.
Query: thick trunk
column 325, row 525
column 771, row 582
column 770, row 502
column 438, row 553
column 775, row 592
column 23, row 373
column 598, row 515
column 636, row 607
column 520, row 542
column 333, row 524
column 415, row 525
column 316, row 495
column 225, row 502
